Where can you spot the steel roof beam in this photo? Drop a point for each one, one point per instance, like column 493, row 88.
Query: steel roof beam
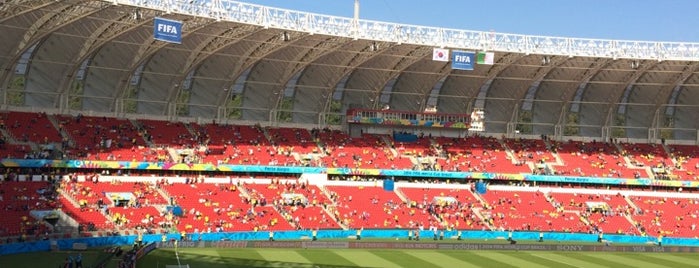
column 306, row 22
column 53, row 20
column 13, row 9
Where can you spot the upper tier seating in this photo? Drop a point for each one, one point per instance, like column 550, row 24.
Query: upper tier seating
column 249, row 145
column 686, row 162
column 14, row 150
column 648, row 155
column 593, row 159
column 478, row 154
column 296, row 140
column 92, row 132
column 420, row 148
column 31, row 127
column 530, row 150
column 369, row 151
column 173, row 134
column 240, row 145
column 106, row 138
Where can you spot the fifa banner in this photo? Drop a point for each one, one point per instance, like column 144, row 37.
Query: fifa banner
column 167, row 30
column 462, row 60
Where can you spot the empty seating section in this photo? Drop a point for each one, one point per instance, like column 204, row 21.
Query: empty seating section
column 208, row 206
column 132, row 217
column 86, row 216
column 202, row 202
column 341, row 149
column 296, row 140
column 91, row 131
column 530, row 150
column 418, row 150
column 648, row 155
column 218, row 136
column 452, row 213
column 303, row 203
column 89, row 193
column 240, row 145
column 165, row 133
column 275, row 191
column 593, row 159
column 528, row 211
column 249, row 206
column 17, row 199
column 367, row 151
column 31, row 127
column 14, row 150
column 686, row 162
column 667, row 216
column 312, row 217
column 477, row 154
column 373, row 207
column 611, row 223
column 104, row 138
column 611, row 220
column 214, row 134
column 421, row 147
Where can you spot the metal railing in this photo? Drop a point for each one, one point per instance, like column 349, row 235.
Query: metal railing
column 311, row 23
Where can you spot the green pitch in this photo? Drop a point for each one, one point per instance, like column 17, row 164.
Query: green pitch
column 211, row 258
column 52, row 259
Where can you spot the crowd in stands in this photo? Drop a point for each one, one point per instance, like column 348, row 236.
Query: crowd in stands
column 114, row 139
column 17, row 201
column 288, row 203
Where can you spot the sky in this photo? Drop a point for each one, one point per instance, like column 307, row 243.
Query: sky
column 647, row 20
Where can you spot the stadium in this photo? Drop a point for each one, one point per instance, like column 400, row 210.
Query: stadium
column 221, row 133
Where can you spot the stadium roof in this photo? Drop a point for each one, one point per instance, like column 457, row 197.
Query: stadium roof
column 241, row 61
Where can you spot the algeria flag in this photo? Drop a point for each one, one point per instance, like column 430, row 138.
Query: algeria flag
column 485, row 58
column 440, row 54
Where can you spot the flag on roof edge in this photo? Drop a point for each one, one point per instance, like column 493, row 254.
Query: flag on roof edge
column 440, row 54
column 485, row 58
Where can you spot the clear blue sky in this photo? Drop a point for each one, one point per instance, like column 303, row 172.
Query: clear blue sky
column 649, row 20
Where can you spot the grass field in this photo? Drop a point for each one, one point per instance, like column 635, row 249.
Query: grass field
column 211, row 258
column 272, row 257
column 50, row 259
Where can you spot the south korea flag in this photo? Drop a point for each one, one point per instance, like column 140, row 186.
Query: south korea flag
column 440, row 54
